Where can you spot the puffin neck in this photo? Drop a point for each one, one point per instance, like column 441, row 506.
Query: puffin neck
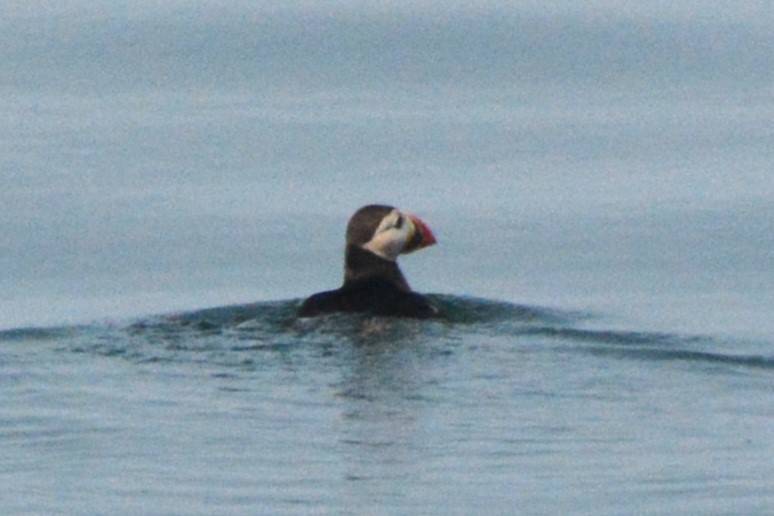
column 361, row 265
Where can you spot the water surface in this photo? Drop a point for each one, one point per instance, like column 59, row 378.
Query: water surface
column 175, row 179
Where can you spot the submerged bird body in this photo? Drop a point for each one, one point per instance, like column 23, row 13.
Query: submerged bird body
column 373, row 282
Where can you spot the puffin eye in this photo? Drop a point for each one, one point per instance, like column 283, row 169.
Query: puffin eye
column 399, row 222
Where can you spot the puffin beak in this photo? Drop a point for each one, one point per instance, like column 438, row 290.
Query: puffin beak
column 422, row 236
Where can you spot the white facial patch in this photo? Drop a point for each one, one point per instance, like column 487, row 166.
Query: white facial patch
column 390, row 238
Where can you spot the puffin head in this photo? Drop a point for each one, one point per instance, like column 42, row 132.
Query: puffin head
column 387, row 231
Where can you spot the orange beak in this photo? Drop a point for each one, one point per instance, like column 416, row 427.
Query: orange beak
column 423, row 236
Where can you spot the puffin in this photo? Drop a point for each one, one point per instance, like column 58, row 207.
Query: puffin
column 373, row 283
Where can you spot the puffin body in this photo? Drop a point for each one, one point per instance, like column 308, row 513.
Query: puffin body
column 373, row 282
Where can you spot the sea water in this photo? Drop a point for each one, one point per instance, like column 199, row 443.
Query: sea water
column 175, row 180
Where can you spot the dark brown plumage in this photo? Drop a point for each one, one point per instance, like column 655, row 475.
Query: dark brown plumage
column 373, row 282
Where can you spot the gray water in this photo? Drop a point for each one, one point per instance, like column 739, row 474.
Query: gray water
column 176, row 179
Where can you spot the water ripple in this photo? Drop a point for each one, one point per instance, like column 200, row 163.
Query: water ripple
column 220, row 334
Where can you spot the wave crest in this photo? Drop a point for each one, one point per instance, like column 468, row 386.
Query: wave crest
column 275, row 325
